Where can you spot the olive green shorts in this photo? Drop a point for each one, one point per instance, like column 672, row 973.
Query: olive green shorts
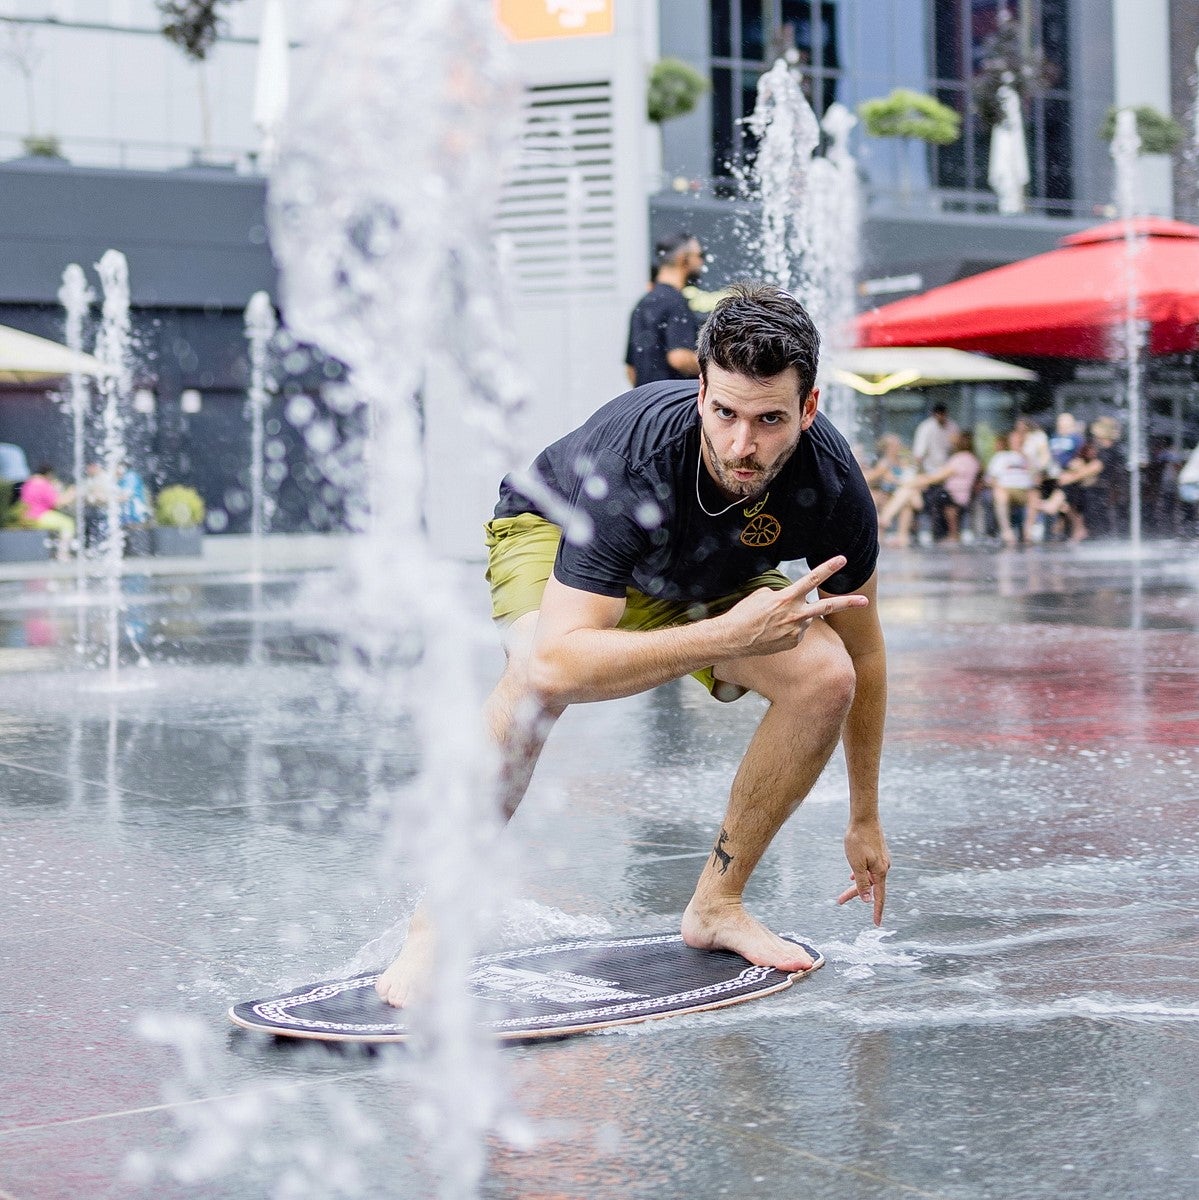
column 520, row 557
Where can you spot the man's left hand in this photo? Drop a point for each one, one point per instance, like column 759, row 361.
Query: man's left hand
column 869, row 862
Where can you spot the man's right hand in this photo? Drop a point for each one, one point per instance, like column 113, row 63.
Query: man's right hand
column 771, row 620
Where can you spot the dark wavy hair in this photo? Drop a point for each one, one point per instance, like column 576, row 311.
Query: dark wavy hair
column 759, row 330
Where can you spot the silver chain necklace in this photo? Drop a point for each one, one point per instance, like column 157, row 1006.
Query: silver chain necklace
column 741, row 500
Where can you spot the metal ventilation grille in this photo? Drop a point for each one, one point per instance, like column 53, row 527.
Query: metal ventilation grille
column 556, row 219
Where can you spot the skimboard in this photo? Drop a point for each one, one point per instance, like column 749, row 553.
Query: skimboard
column 550, row 990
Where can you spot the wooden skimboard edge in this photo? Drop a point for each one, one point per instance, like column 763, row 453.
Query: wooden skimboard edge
column 528, row 1035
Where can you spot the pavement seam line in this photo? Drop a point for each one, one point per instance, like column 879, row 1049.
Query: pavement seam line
column 297, row 1085
column 96, row 783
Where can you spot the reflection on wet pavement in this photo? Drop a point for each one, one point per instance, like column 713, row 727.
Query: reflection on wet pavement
column 1025, row 1024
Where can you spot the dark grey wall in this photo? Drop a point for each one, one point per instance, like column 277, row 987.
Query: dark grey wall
column 194, row 238
column 197, row 248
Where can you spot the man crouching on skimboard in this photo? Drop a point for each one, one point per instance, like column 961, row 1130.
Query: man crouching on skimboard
column 684, row 497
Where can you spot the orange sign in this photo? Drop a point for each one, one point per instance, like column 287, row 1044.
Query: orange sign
column 532, row 20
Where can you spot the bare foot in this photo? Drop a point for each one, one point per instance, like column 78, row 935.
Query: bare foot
column 404, row 982
column 727, row 926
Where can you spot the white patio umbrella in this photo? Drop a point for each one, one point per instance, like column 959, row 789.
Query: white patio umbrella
column 25, row 358
column 877, row 370
column 271, row 78
column 1007, row 169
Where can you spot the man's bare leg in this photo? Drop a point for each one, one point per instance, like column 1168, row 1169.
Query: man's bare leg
column 518, row 725
column 810, row 690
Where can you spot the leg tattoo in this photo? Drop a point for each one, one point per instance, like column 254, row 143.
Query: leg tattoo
column 721, row 857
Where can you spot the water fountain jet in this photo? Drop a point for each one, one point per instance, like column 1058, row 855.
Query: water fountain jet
column 113, row 351
column 76, row 298
column 380, row 211
column 260, row 325
column 810, row 213
column 1125, row 150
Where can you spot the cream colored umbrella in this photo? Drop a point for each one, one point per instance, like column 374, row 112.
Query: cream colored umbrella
column 25, row 358
column 876, row 370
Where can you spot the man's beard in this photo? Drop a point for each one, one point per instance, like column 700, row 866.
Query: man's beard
column 744, row 488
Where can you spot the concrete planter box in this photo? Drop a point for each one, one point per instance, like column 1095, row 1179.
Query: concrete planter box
column 24, row 545
column 139, row 541
column 172, row 541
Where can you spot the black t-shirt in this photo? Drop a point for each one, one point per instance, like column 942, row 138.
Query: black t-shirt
column 630, row 476
column 662, row 321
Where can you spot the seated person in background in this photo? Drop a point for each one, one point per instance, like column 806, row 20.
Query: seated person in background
column 43, row 496
column 1072, row 494
column 1034, row 445
column 14, row 467
column 131, row 498
column 961, row 474
column 135, row 500
column 1066, row 441
column 1011, row 483
column 1108, row 501
column 891, row 468
column 951, row 487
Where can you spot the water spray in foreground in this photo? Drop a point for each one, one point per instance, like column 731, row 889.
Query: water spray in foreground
column 380, row 210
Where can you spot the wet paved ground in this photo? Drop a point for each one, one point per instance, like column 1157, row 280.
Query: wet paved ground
column 1026, row 1026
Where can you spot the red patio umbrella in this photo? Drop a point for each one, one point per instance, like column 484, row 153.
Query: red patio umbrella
column 1067, row 303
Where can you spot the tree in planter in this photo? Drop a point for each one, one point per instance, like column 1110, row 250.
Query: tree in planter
column 179, row 507
column 1159, row 132
column 21, row 51
column 178, row 521
column 194, row 26
column 674, row 90
column 906, row 114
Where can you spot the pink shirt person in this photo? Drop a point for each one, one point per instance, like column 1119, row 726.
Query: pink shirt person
column 39, row 495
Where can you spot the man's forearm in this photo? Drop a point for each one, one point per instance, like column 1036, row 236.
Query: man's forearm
column 606, row 664
column 863, row 734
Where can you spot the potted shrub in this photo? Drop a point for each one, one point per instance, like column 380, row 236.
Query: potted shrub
column 909, row 115
column 674, row 89
column 20, row 539
column 1158, row 131
column 178, row 522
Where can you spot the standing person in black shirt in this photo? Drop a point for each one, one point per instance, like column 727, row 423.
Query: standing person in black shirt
column 645, row 545
column 662, row 327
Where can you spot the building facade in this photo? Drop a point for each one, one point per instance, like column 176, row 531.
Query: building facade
column 160, row 158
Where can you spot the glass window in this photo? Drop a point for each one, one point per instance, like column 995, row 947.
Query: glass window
column 1059, row 168
column 753, row 30
column 962, row 36
column 951, row 160
column 722, row 29
column 723, row 147
column 746, row 36
column 1055, row 40
column 947, row 38
column 984, row 21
